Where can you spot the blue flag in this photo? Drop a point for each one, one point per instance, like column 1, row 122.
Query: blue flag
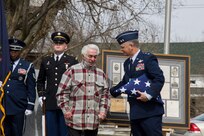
column 4, row 61
column 4, row 46
column 141, row 83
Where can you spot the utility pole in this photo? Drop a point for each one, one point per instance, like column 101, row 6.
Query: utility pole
column 167, row 30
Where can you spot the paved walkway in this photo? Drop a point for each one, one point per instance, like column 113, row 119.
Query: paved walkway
column 113, row 131
column 108, row 130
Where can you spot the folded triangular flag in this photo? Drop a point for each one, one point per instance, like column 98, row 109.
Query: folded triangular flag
column 141, row 83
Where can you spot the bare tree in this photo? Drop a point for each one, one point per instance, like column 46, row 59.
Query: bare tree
column 84, row 20
column 100, row 22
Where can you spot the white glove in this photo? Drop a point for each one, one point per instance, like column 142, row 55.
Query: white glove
column 40, row 100
column 28, row 112
column 0, row 83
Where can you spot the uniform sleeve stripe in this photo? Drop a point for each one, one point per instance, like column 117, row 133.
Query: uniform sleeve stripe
column 31, row 103
column 27, row 73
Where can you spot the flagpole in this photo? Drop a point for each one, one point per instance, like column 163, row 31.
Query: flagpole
column 4, row 62
column 43, row 117
column 167, row 30
column 1, row 107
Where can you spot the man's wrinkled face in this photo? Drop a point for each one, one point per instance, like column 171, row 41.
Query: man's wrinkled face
column 91, row 56
column 126, row 48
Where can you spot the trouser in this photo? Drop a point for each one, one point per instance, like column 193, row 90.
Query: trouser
column 151, row 126
column 55, row 123
column 74, row 132
column 13, row 124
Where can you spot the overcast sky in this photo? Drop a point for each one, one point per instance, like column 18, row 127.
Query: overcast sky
column 187, row 21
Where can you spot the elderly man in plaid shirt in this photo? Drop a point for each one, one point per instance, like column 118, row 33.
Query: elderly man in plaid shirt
column 83, row 94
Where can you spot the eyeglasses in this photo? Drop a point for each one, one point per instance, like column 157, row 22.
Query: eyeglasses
column 58, row 42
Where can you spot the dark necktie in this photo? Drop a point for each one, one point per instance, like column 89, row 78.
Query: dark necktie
column 57, row 59
column 131, row 65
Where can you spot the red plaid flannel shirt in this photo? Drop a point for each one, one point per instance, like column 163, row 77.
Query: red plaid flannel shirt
column 85, row 93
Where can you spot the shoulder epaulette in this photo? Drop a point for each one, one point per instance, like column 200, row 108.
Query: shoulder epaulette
column 147, row 53
column 71, row 55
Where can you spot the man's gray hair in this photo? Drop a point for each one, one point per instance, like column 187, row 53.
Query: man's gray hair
column 135, row 42
column 85, row 49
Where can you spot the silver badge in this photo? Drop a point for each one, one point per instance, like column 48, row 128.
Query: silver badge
column 20, row 78
column 66, row 65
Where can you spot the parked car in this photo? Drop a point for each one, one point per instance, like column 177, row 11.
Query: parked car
column 196, row 127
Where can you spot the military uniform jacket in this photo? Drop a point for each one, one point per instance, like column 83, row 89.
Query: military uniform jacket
column 20, row 92
column 49, row 77
column 145, row 63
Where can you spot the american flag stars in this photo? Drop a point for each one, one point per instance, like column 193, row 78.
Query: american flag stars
column 137, row 82
column 134, row 91
column 141, row 83
column 122, row 90
column 148, row 84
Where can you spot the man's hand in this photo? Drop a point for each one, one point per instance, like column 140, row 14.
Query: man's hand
column 28, row 112
column 101, row 116
column 68, row 115
column 142, row 96
column 40, row 100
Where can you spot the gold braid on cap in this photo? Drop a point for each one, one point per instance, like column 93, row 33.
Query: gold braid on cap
column 58, row 36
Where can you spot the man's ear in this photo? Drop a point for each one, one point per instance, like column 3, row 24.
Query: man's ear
column 66, row 47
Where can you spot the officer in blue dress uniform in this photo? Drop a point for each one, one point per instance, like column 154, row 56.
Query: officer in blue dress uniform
column 20, row 93
column 146, row 110
column 51, row 70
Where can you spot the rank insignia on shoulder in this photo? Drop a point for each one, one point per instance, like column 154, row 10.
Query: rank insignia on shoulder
column 147, row 53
